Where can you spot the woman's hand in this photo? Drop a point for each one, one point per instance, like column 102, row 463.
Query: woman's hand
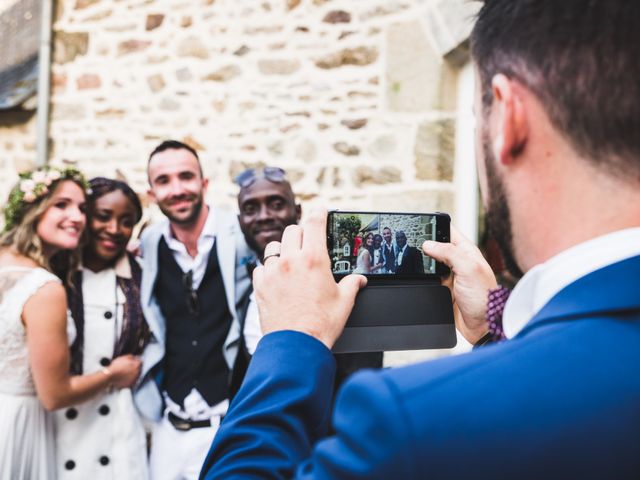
column 45, row 319
column 125, row 370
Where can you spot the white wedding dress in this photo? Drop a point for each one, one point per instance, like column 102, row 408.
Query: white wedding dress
column 26, row 429
column 363, row 262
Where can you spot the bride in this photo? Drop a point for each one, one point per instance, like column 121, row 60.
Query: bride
column 44, row 221
column 364, row 262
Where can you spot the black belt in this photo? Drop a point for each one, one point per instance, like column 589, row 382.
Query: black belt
column 185, row 425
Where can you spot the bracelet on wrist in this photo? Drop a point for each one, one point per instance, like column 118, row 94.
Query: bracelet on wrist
column 109, row 374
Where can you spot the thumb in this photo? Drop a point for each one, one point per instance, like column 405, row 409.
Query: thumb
column 350, row 285
column 442, row 252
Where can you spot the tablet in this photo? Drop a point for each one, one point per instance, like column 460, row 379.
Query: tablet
column 399, row 317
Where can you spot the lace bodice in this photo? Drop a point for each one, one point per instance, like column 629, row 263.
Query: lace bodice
column 17, row 285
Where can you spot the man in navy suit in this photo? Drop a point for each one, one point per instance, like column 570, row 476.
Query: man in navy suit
column 408, row 259
column 559, row 164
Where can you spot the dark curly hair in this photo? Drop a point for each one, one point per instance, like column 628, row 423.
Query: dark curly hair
column 100, row 186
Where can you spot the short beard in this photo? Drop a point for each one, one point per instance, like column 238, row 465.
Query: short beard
column 197, row 208
column 498, row 213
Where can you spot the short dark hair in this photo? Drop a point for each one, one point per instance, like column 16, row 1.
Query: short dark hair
column 174, row 145
column 100, row 186
column 580, row 58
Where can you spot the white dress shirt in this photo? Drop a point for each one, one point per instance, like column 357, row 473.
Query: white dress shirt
column 391, row 246
column 252, row 329
column 400, row 254
column 197, row 264
column 544, row 281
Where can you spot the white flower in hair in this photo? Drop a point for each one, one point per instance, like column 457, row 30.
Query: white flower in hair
column 27, row 185
column 29, row 197
column 38, row 176
column 53, row 175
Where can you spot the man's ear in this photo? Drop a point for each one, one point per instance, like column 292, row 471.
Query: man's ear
column 511, row 129
column 298, row 212
column 205, row 184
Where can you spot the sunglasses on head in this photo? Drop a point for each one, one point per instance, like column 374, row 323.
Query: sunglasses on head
column 273, row 174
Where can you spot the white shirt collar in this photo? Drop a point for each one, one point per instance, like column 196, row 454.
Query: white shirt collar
column 197, row 264
column 544, row 281
column 208, row 232
column 122, row 267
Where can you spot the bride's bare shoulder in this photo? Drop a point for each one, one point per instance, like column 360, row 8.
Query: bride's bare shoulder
column 10, row 258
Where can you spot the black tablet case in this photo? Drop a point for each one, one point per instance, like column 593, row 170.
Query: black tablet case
column 399, row 317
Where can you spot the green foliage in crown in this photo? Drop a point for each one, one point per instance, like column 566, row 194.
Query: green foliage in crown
column 35, row 185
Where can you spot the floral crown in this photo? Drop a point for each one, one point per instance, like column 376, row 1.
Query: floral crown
column 33, row 186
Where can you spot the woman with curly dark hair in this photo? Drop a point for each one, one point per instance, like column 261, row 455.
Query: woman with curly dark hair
column 104, row 437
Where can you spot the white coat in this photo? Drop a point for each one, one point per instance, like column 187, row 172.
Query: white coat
column 102, row 438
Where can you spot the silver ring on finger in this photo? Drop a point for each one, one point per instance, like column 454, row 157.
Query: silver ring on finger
column 276, row 255
column 271, row 250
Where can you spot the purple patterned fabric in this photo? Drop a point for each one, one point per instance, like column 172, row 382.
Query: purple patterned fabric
column 495, row 307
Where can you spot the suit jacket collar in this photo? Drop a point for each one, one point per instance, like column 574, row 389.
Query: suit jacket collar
column 544, row 281
column 609, row 290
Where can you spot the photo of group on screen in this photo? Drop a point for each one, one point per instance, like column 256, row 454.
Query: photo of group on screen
column 378, row 244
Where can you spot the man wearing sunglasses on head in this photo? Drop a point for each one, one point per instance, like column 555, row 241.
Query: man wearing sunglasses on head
column 192, row 280
column 267, row 206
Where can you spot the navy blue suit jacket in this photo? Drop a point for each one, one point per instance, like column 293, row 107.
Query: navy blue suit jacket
column 560, row 400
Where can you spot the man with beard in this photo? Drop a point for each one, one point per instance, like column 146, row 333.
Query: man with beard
column 388, row 251
column 558, row 116
column 191, row 283
column 267, row 206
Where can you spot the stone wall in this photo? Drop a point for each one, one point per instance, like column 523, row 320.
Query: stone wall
column 355, row 99
column 414, row 227
column 17, row 145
